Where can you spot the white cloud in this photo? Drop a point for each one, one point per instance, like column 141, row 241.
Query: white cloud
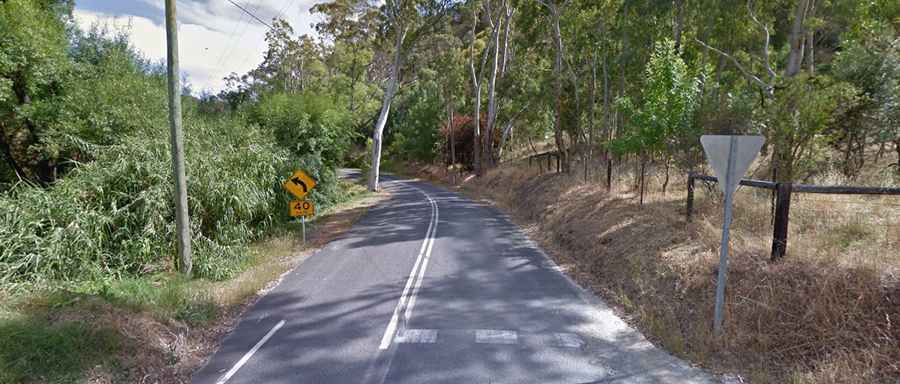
column 215, row 37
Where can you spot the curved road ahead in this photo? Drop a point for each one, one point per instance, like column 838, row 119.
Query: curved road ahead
column 431, row 287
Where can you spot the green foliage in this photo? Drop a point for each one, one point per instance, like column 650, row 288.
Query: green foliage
column 33, row 64
column 112, row 92
column 663, row 123
column 872, row 67
column 309, row 125
column 86, row 116
column 799, row 115
column 315, row 131
column 63, row 98
column 415, row 133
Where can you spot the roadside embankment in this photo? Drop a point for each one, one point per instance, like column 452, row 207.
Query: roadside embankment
column 824, row 314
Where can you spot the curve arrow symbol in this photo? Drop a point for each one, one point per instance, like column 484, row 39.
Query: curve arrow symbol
column 296, row 180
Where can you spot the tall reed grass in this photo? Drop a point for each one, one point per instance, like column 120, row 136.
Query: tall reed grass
column 114, row 217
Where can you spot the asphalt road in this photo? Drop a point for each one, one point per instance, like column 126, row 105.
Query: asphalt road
column 431, row 287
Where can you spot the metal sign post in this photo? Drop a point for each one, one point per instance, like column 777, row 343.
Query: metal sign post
column 303, row 209
column 723, row 249
column 730, row 157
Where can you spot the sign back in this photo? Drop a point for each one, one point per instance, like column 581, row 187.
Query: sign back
column 742, row 150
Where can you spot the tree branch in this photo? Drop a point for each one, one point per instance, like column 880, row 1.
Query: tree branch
column 772, row 75
column 740, row 67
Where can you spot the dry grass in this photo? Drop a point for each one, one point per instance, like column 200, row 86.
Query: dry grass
column 827, row 313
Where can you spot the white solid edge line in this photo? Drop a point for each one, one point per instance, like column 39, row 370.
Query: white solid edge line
column 249, row 353
column 415, row 292
column 395, row 318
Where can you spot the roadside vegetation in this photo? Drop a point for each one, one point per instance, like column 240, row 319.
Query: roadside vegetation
column 158, row 327
column 88, row 284
column 616, row 90
column 620, row 93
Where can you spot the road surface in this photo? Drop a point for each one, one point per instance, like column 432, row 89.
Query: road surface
column 432, row 287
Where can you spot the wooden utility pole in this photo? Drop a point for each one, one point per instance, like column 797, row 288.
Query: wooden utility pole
column 182, row 221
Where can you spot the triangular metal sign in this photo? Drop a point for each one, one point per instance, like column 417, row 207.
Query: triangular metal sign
column 741, row 149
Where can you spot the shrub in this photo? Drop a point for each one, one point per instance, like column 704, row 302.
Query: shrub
column 309, row 125
column 415, row 133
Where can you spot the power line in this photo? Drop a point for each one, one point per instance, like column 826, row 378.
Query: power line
column 227, row 50
column 280, row 15
column 251, row 14
column 291, row 4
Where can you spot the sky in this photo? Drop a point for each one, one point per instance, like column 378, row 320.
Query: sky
column 215, row 37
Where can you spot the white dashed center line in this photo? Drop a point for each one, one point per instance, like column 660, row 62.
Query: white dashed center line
column 496, row 336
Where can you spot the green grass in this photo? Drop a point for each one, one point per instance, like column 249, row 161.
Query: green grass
column 166, row 296
column 31, row 349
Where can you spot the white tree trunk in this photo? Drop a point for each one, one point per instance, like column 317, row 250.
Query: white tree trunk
column 476, row 121
column 810, row 41
column 504, row 64
column 451, row 135
column 508, row 130
column 591, row 114
column 557, row 72
column 796, row 39
column 488, row 145
column 476, row 85
column 389, row 92
column 677, row 23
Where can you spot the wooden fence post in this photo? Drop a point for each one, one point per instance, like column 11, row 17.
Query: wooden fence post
column 782, row 214
column 690, row 197
column 609, row 173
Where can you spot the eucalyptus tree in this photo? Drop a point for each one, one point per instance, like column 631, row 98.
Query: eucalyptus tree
column 497, row 17
column 449, row 56
column 405, row 22
column 349, row 29
column 555, row 8
column 789, row 123
column 479, row 52
column 289, row 65
column 500, row 16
